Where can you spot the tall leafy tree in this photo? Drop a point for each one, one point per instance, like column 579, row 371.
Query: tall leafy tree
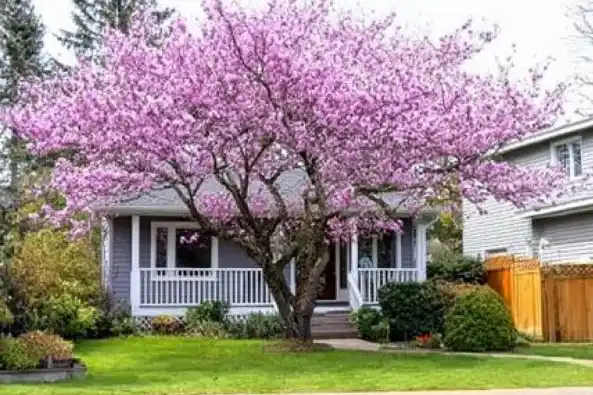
column 92, row 17
column 285, row 126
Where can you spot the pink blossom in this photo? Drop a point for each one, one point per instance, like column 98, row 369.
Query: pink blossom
column 259, row 92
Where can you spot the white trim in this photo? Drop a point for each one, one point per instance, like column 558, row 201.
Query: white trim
column 421, row 251
column 398, row 250
column 548, row 134
column 571, row 163
column 354, row 254
column 180, row 311
column 135, row 274
column 172, row 227
column 559, row 209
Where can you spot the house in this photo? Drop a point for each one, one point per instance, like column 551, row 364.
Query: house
column 147, row 264
column 556, row 231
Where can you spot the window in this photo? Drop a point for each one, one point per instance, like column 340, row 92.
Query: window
column 567, row 155
column 178, row 245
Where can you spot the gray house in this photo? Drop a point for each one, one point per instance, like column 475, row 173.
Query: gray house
column 556, row 231
column 147, row 263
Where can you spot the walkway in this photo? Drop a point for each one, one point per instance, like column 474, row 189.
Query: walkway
column 362, row 345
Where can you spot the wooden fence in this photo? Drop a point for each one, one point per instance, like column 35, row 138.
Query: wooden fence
column 554, row 303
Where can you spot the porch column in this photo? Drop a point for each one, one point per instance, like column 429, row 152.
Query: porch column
column 135, row 274
column 421, row 251
column 354, row 254
column 398, row 250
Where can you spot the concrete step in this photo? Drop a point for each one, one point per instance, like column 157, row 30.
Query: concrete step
column 333, row 325
column 335, row 334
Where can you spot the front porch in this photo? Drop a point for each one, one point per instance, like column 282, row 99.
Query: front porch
column 357, row 270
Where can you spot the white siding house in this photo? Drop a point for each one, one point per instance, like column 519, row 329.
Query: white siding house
column 557, row 231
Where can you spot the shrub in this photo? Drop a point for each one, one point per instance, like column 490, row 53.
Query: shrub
column 256, row 326
column 263, row 326
column 479, row 321
column 114, row 319
column 429, row 340
column 66, row 316
column 166, row 325
column 6, row 317
column 210, row 330
column 365, row 320
column 456, row 268
column 413, row 309
column 211, row 311
column 45, row 345
column 50, row 264
column 14, row 355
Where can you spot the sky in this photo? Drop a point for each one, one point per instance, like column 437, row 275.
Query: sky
column 540, row 29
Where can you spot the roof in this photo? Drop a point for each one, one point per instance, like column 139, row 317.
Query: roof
column 166, row 201
column 548, row 134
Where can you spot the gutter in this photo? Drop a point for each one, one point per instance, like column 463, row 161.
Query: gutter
column 548, row 134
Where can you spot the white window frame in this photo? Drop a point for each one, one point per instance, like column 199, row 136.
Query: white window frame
column 568, row 142
column 172, row 227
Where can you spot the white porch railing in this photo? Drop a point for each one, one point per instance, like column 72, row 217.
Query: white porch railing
column 370, row 280
column 190, row 287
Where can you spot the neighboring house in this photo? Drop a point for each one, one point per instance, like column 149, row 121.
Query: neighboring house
column 557, row 231
column 147, row 264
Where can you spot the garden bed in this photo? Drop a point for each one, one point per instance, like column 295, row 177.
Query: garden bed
column 75, row 369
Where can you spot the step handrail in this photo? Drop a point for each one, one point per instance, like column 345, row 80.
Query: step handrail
column 354, row 295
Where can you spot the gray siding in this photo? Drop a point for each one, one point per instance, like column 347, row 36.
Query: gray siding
column 121, row 258
column 229, row 255
column 570, row 237
column 502, row 226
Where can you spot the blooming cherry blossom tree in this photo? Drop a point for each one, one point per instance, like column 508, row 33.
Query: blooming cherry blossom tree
column 363, row 121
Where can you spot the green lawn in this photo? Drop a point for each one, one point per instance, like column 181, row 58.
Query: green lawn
column 580, row 351
column 176, row 366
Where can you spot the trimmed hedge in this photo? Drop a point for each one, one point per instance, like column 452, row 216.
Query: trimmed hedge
column 479, row 321
column 456, row 268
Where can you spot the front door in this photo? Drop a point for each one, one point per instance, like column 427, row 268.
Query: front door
column 327, row 289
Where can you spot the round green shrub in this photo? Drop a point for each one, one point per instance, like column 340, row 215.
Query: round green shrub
column 479, row 321
column 413, row 309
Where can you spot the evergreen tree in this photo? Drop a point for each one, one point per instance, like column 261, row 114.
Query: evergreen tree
column 91, row 17
column 21, row 45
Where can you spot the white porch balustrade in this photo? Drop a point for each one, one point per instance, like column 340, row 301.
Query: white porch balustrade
column 190, row 287
column 370, row 280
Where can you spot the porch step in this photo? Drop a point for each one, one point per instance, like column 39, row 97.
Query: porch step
column 332, row 325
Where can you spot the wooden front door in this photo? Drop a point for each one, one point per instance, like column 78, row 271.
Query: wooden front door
column 328, row 278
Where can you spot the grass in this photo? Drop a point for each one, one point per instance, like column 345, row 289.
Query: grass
column 177, row 366
column 578, row 351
